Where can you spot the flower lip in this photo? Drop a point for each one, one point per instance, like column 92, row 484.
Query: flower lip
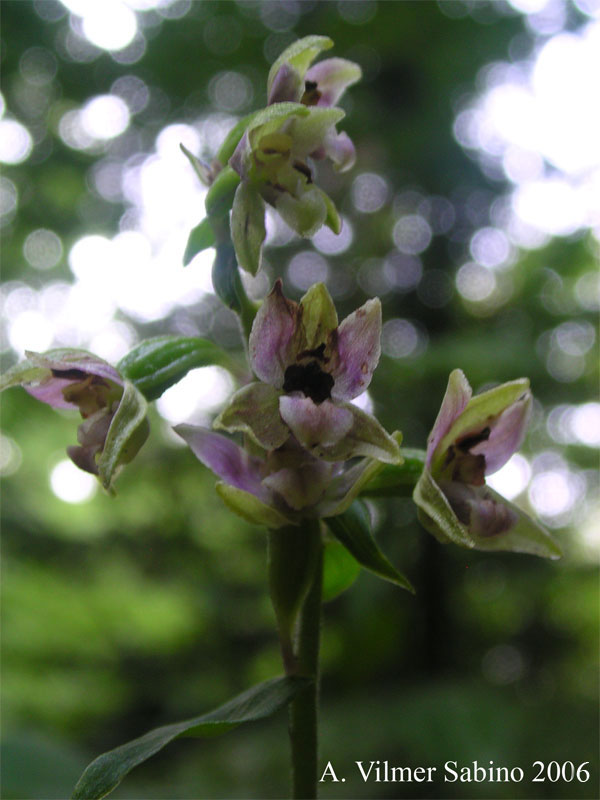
column 309, row 379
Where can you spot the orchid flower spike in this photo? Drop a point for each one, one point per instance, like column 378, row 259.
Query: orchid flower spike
column 272, row 156
column 298, row 413
column 114, row 425
column 474, row 437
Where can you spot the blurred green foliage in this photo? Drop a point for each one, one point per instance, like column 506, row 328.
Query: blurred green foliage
column 120, row 614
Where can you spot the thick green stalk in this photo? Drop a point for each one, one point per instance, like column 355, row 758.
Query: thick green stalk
column 304, row 706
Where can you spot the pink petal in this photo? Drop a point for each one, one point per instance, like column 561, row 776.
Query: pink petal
column 358, row 350
column 225, row 459
column 312, row 424
column 506, row 435
column 332, row 76
column 272, row 337
column 458, row 394
column 340, row 149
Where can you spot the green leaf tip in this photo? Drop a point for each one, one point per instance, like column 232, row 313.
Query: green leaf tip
column 106, row 772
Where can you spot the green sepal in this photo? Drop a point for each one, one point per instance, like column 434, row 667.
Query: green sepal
column 233, row 138
column 219, row 198
column 340, row 569
column 270, row 119
column 319, row 317
column 25, row 372
column 248, row 230
column 106, row 772
column 332, row 218
column 202, row 170
column 299, row 55
column 436, row 514
column 128, row 431
column 158, row 363
column 353, row 530
column 201, row 237
column 254, row 410
column 250, row 508
column 397, row 479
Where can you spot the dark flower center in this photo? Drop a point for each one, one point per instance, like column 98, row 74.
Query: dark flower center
column 311, row 95
column 310, row 380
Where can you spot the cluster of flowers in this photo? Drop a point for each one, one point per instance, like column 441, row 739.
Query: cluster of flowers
column 308, row 451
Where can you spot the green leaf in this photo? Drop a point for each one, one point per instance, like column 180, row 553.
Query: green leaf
column 220, row 196
column 248, row 227
column 201, row 237
column 299, row 55
column 127, row 433
column 202, row 170
column 158, row 363
column 226, row 277
column 353, row 530
column 250, row 508
column 397, row 479
column 340, row 570
column 106, row 772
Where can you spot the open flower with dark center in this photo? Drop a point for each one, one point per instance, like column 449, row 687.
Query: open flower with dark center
column 114, row 423
column 474, row 436
column 309, row 368
column 298, row 417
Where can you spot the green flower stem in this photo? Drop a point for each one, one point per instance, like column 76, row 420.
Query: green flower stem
column 304, row 706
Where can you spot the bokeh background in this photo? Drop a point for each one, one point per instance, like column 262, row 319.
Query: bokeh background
column 473, row 212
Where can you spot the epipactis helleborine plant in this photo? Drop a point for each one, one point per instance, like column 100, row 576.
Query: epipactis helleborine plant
column 298, row 414
column 474, row 437
column 114, row 425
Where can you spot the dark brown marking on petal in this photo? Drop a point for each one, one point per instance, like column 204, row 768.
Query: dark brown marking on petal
column 364, row 367
column 466, row 443
column 311, row 94
column 303, row 169
column 70, row 374
column 310, row 380
column 318, row 352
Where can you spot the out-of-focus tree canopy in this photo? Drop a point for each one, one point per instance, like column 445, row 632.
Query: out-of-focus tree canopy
column 472, row 212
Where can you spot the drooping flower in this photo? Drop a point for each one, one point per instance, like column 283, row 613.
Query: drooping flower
column 114, row 425
column 474, row 437
column 299, row 413
column 272, row 156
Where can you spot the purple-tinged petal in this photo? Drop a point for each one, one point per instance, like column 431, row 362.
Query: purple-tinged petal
column 506, row 435
column 225, row 459
column 340, row 149
column 332, row 76
column 358, row 351
column 272, row 337
column 299, row 55
column 254, row 410
column 287, row 86
column 315, row 425
column 50, row 391
column 239, row 159
column 458, row 394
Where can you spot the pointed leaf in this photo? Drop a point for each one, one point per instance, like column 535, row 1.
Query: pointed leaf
column 340, row 570
column 248, row 230
column 250, row 508
column 127, row 433
column 201, row 237
column 108, row 770
column 158, row 363
column 353, row 530
column 202, row 170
